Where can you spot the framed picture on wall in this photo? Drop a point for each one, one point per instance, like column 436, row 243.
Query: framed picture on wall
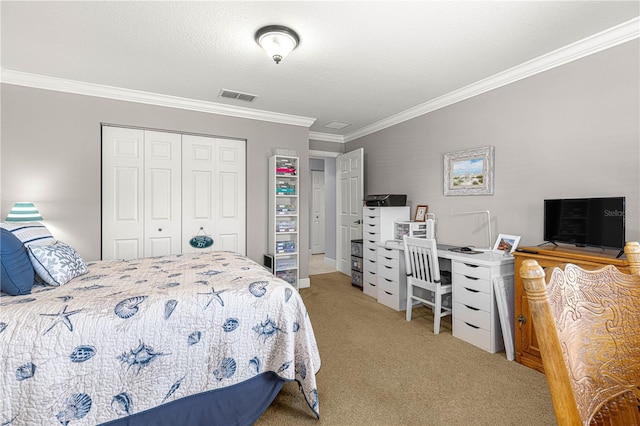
column 469, row 172
column 506, row 243
column 421, row 213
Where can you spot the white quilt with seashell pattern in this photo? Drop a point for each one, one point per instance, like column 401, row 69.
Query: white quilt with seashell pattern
column 132, row 335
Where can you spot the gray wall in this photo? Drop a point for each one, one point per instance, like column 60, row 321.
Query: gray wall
column 573, row 131
column 51, row 156
column 317, row 145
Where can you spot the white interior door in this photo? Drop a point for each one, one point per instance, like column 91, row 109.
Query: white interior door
column 231, row 191
column 349, row 197
column 162, row 193
column 214, row 188
column 317, row 212
column 122, row 193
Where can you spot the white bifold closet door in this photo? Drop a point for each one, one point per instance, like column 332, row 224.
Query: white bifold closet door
column 159, row 189
column 213, row 191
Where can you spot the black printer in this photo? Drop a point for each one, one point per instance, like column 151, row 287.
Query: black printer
column 385, row 200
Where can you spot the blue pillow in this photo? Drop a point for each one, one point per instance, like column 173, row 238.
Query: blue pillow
column 17, row 271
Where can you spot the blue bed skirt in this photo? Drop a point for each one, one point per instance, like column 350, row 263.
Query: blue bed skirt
column 240, row 405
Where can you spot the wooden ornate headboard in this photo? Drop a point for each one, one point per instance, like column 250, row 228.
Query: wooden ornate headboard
column 588, row 327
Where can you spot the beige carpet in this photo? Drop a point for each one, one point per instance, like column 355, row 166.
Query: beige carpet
column 378, row 369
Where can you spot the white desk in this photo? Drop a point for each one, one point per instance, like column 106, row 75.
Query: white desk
column 475, row 316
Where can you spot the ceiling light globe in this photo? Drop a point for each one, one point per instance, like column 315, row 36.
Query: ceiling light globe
column 277, row 41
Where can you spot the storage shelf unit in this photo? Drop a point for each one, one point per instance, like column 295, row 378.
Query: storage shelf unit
column 284, row 220
column 410, row 229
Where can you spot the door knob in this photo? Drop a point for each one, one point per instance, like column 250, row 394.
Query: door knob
column 159, row 229
column 358, row 222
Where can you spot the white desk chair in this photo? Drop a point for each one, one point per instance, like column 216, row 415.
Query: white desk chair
column 423, row 272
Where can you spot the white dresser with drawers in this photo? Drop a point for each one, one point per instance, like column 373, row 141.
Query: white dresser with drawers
column 475, row 314
column 377, row 226
column 392, row 277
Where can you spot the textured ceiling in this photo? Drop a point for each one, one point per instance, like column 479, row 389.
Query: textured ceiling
column 357, row 62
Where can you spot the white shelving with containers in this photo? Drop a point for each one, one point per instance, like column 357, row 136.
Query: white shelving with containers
column 284, row 220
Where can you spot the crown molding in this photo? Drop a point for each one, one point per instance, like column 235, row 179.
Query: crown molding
column 37, row 81
column 604, row 40
column 614, row 36
column 326, row 137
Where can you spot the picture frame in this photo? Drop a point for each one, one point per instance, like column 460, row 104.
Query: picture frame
column 469, row 172
column 506, row 243
column 421, row 213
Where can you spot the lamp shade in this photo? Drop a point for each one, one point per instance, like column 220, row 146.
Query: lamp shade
column 277, row 41
column 23, row 212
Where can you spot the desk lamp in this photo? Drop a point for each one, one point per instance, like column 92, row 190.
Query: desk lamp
column 488, row 213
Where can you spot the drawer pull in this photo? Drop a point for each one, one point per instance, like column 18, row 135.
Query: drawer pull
column 387, row 249
column 472, row 326
column 521, row 320
column 372, row 249
column 472, row 266
column 388, row 267
column 471, row 278
column 372, row 273
column 390, row 294
column 471, row 290
column 388, row 280
column 472, row 308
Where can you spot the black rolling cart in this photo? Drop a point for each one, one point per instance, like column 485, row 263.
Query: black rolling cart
column 356, row 263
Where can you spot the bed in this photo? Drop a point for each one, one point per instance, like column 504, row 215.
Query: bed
column 205, row 338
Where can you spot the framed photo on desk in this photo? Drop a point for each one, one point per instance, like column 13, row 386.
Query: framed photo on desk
column 421, row 213
column 506, row 243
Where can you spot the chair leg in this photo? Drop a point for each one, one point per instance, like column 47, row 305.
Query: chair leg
column 409, row 301
column 437, row 310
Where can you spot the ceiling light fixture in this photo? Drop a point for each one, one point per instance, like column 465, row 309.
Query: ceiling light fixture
column 277, row 41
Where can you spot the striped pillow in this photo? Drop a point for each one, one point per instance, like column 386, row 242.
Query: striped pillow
column 29, row 232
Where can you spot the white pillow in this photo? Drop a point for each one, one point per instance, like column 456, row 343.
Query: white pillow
column 29, row 232
column 56, row 263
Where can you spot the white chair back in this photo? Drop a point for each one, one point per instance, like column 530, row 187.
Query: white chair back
column 421, row 258
column 424, row 284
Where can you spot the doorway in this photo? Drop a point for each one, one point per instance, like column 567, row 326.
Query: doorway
column 322, row 249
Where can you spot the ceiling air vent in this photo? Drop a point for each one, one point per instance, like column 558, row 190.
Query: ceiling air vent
column 231, row 94
column 337, row 125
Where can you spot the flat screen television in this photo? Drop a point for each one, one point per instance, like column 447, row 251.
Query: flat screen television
column 595, row 222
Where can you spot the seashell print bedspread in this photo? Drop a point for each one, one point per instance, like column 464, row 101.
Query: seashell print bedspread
column 132, row 335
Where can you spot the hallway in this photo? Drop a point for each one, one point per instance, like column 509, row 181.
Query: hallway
column 317, row 265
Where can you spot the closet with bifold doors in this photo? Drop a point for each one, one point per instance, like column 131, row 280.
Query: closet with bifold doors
column 161, row 189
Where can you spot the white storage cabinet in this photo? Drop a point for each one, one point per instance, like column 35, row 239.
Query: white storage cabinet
column 392, row 277
column 475, row 313
column 378, row 223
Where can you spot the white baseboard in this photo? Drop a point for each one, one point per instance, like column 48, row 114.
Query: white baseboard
column 304, row 283
column 330, row 262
